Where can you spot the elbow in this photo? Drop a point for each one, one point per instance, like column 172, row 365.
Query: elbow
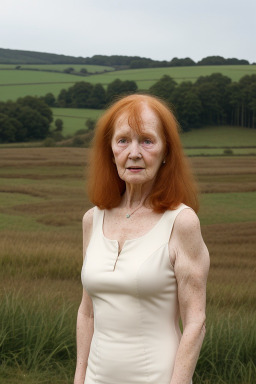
column 86, row 312
column 197, row 327
column 203, row 328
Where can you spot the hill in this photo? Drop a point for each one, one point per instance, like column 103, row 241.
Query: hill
column 16, row 83
column 10, row 56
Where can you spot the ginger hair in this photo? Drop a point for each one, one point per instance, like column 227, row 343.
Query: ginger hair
column 174, row 183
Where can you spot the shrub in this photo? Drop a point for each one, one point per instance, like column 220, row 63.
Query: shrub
column 59, row 125
column 81, row 131
column 228, row 151
column 90, row 124
column 78, row 141
column 49, row 142
column 57, row 136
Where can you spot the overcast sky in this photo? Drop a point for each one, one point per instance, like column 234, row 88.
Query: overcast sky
column 159, row 29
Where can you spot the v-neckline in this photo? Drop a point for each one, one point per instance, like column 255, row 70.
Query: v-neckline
column 129, row 240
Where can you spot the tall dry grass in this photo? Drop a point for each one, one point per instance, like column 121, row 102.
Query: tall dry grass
column 41, row 257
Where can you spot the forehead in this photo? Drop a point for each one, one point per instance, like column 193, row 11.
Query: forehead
column 145, row 121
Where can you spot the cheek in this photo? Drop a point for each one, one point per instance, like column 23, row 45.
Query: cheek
column 119, row 155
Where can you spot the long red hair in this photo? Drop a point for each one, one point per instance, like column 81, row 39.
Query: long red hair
column 174, row 182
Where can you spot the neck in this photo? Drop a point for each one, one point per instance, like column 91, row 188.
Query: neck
column 134, row 196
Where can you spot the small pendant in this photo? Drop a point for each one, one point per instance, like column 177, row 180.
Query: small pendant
column 128, row 216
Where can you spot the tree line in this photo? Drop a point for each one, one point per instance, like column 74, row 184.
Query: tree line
column 28, row 118
column 86, row 95
column 210, row 100
column 142, row 62
column 10, row 56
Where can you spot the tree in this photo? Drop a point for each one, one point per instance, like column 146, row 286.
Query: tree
column 164, row 87
column 191, row 113
column 38, row 105
column 7, row 129
column 97, row 99
column 49, row 99
column 20, row 130
column 68, row 70
column 59, row 125
column 118, row 88
column 64, row 99
column 90, row 124
column 188, row 106
column 212, row 91
column 37, row 125
column 175, row 62
column 114, row 89
column 80, row 94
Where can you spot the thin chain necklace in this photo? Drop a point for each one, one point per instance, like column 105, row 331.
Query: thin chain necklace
column 128, row 215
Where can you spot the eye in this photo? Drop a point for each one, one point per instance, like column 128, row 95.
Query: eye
column 147, row 141
column 122, row 141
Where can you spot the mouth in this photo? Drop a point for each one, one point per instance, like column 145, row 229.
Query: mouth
column 134, row 167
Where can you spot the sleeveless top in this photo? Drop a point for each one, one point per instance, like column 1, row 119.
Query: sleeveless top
column 136, row 311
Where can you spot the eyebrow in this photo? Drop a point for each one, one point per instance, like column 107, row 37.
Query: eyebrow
column 143, row 132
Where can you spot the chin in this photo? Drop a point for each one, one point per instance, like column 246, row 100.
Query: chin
column 136, row 180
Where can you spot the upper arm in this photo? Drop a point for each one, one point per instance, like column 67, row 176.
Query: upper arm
column 87, row 226
column 191, row 266
column 86, row 306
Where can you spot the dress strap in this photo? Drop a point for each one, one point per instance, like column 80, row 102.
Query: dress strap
column 170, row 218
column 97, row 217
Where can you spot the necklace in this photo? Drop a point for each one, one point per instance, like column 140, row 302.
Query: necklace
column 128, row 215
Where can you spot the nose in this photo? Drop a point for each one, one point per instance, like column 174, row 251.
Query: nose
column 135, row 150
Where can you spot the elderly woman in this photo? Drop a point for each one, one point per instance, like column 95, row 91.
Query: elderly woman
column 145, row 262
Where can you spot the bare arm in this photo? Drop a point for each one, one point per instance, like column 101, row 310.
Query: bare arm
column 85, row 319
column 191, row 269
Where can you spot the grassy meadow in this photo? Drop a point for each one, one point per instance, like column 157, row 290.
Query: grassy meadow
column 146, row 77
column 74, row 118
column 19, row 83
column 42, row 201
column 206, row 141
column 58, row 67
column 212, row 136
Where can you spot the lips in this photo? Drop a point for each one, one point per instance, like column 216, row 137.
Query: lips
column 135, row 168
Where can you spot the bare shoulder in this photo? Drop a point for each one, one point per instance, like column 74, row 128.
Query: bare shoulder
column 187, row 223
column 187, row 237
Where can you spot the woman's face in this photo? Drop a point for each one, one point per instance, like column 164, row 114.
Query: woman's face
column 138, row 156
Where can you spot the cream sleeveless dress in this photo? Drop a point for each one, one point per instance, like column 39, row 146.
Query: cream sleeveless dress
column 136, row 311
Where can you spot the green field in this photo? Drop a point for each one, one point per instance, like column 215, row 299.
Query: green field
column 42, row 201
column 73, row 118
column 16, row 83
column 220, row 136
column 145, row 78
column 206, row 141
column 195, row 142
column 59, row 67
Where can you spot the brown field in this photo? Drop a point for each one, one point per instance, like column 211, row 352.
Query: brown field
column 43, row 200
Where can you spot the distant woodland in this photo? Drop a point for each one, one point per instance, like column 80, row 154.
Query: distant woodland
column 10, row 56
column 211, row 100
